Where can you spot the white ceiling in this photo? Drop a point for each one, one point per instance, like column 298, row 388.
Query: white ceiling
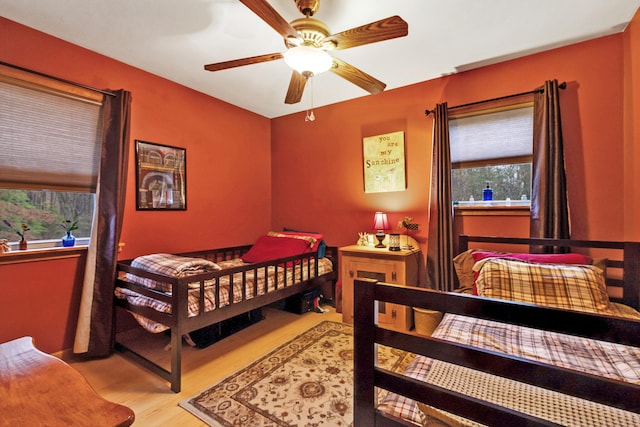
column 176, row 38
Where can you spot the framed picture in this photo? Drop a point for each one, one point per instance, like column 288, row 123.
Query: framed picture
column 384, row 163
column 161, row 177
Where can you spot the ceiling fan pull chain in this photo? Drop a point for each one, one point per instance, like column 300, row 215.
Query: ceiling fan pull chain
column 310, row 116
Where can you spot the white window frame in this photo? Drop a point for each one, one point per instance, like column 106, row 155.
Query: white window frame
column 514, row 207
column 40, row 83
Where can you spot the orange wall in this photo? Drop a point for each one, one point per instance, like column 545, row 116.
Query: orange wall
column 325, row 156
column 228, row 191
column 41, row 299
column 631, row 40
column 309, row 175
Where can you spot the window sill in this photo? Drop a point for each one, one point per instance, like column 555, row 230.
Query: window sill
column 45, row 254
column 502, row 210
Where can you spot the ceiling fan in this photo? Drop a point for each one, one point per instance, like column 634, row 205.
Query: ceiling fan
column 308, row 42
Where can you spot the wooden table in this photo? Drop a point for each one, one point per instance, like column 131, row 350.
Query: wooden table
column 39, row 389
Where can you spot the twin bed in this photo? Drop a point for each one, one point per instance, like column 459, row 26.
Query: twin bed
column 541, row 343
column 186, row 292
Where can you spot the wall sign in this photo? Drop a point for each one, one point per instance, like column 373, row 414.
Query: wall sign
column 384, row 163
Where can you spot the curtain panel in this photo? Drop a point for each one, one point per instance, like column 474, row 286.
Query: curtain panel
column 95, row 334
column 440, row 274
column 549, row 206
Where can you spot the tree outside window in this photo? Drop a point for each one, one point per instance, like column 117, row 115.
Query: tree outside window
column 44, row 212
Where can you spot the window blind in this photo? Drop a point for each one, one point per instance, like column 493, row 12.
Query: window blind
column 48, row 140
column 496, row 135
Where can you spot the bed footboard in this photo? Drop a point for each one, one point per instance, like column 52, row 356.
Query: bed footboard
column 368, row 376
column 623, row 272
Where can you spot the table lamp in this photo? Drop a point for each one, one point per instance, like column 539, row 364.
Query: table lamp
column 380, row 224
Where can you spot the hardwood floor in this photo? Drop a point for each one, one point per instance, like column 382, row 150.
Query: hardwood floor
column 119, row 380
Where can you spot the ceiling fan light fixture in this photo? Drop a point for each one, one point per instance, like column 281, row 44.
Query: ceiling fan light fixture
column 308, row 59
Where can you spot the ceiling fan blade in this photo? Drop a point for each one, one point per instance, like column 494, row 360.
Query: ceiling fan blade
column 357, row 77
column 245, row 61
column 269, row 15
column 384, row 29
column 296, row 87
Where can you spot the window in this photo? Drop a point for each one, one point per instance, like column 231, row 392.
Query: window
column 492, row 148
column 50, row 134
column 45, row 211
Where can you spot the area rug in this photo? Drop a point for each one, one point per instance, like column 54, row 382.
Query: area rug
column 307, row 381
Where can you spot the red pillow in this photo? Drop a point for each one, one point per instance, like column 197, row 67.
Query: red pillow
column 536, row 258
column 267, row 248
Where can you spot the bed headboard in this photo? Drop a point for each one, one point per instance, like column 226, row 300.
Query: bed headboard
column 622, row 259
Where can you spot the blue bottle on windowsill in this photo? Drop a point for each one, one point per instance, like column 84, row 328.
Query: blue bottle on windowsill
column 68, row 240
column 487, row 193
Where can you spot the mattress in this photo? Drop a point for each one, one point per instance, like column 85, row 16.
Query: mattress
column 595, row 357
column 251, row 276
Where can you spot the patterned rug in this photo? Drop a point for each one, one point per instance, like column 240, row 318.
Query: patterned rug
column 307, row 381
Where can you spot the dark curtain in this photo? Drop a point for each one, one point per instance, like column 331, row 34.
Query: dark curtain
column 440, row 244
column 110, row 210
column 549, row 207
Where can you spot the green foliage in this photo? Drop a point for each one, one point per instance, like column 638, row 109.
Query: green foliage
column 46, row 213
column 15, row 197
column 70, row 225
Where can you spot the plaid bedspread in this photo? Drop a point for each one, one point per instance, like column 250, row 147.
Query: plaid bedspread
column 572, row 287
column 263, row 275
column 171, row 266
column 590, row 356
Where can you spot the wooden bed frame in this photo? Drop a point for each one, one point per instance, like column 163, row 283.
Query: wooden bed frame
column 38, row 389
column 367, row 334
column 180, row 323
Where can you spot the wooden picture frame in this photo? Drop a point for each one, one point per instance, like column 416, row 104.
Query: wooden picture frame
column 161, row 177
column 384, row 163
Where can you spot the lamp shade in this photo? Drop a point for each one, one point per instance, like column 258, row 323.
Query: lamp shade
column 308, row 59
column 380, row 221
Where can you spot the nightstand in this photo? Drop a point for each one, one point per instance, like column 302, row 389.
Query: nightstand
column 397, row 267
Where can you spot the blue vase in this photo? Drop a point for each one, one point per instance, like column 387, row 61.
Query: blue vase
column 487, row 193
column 68, row 240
